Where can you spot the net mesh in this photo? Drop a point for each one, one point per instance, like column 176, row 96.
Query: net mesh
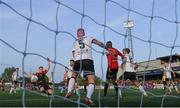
column 104, row 26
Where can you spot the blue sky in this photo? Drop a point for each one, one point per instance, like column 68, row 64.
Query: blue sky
column 41, row 41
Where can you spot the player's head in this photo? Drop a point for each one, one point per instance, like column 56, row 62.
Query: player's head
column 17, row 69
column 109, row 44
column 71, row 62
column 166, row 63
column 40, row 69
column 126, row 51
column 80, row 33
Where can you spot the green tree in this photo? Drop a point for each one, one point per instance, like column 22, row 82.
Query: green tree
column 8, row 73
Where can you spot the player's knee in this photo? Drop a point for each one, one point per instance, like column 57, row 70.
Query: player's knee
column 90, row 77
column 42, row 89
column 91, row 83
column 73, row 77
column 50, row 92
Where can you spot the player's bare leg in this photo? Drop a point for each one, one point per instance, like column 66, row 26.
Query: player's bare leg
column 175, row 87
column 49, row 91
column 169, row 87
column 42, row 90
column 137, row 84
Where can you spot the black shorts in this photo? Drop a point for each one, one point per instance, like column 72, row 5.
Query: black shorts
column 169, row 79
column 87, row 66
column 129, row 75
column 111, row 75
column 15, row 82
column 164, row 82
column 44, row 85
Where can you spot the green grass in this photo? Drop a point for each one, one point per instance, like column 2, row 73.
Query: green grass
column 130, row 98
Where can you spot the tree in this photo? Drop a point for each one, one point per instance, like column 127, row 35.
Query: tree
column 8, row 73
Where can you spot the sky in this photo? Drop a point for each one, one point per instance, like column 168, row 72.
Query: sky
column 41, row 41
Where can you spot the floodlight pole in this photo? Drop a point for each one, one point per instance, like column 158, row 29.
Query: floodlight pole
column 129, row 24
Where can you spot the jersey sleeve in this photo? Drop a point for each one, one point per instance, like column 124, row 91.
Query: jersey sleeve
column 45, row 71
column 120, row 54
column 73, row 47
column 91, row 39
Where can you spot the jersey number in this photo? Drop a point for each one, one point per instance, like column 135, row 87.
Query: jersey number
column 81, row 45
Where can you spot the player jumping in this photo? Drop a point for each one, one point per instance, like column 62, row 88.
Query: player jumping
column 129, row 70
column 82, row 54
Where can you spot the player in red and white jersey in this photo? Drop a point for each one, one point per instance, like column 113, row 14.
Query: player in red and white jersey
column 42, row 81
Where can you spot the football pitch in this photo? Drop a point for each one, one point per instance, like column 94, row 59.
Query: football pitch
column 130, row 98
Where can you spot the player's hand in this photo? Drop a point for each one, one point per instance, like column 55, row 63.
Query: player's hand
column 49, row 60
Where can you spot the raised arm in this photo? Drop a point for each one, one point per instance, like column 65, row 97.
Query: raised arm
column 49, row 64
column 95, row 41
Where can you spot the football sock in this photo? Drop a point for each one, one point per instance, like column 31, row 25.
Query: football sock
column 106, row 88
column 71, row 84
column 90, row 90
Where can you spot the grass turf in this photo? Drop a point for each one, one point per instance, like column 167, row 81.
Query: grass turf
column 130, row 98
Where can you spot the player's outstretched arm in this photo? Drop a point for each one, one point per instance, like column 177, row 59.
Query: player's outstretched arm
column 120, row 54
column 49, row 64
column 95, row 41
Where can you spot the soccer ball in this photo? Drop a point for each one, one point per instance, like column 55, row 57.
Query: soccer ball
column 34, row 78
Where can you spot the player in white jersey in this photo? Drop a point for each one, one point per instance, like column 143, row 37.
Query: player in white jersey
column 82, row 54
column 129, row 70
column 68, row 74
column 14, row 80
column 169, row 78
